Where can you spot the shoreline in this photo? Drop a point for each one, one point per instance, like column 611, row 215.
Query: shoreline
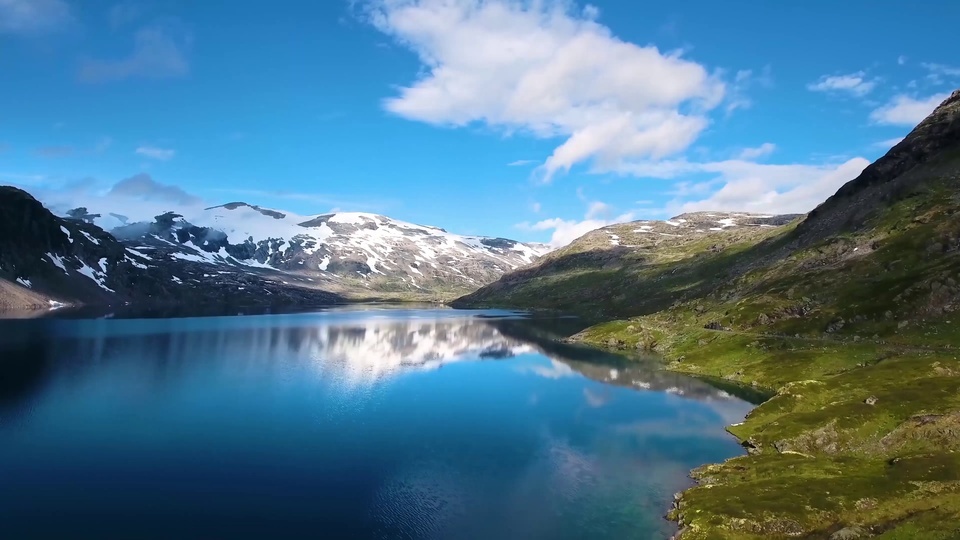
column 859, row 441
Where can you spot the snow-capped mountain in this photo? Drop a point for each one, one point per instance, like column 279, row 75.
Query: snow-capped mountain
column 347, row 252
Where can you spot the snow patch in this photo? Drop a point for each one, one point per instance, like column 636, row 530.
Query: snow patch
column 97, row 277
column 58, row 262
column 66, row 231
column 90, row 238
column 25, row 282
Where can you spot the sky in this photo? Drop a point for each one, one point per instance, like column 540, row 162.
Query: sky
column 536, row 120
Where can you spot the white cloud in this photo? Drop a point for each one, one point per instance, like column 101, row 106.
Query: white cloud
column 904, row 110
column 889, row 143
column 543, row 68
column 901, row 60
column 159, row 52
column 752, row 187
column 27, row 17
column 598, row 214
column 854, row 83
column 153, row 152
column 521, row 162
column 754, row 153
column 536, row 207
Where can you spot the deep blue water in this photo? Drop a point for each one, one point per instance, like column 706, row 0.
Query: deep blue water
column 341, row 424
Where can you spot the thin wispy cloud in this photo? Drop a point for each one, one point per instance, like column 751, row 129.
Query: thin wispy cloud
column 57, row 151
column 159, row 52
column 764, row 149
column 856, row 84
column 522, row 162
column 124, row 13
column 31, row 17
column 739, row 90
column 889, row 143
column 154, row 152
column 941, row 69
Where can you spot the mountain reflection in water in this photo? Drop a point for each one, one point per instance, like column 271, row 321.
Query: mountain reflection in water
column 369, row 423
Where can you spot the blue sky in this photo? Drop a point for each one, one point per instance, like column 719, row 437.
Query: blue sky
column 531, row 120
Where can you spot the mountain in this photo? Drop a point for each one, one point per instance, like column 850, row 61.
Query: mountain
column 46, row 260
column 236, row 254
column 356, row 254
column 623, row 268
column 847, row 317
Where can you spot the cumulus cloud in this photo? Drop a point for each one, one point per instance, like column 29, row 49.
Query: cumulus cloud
column 159, row 52
column 153, row 152
column 598, row 214
column 764, row 149
column 26, row 17
column 853, row 83
column 904, row 110
column 901, row 60
column 737, row 185
column 547, row 69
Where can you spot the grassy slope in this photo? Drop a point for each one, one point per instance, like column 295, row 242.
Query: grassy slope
column 863, row 432
column 855, row 334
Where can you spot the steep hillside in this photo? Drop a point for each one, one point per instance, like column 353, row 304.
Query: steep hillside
column 848, row 317
column 633, row 268
column 45, row 258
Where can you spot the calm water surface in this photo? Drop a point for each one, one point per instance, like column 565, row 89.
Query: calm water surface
column 341, row 424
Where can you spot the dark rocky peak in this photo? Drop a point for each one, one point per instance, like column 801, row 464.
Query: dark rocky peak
column 265, row 211
column 499, row 243
column 27, row 230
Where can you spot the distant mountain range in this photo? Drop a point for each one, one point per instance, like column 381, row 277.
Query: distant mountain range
column 237, row 253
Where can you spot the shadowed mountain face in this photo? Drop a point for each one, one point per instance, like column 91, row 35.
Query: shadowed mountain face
column 49, row 261
column 926, row 155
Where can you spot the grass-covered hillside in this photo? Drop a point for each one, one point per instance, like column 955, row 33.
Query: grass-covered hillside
column 849, row 315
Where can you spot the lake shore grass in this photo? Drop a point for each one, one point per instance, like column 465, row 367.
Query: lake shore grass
column 859, row 440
